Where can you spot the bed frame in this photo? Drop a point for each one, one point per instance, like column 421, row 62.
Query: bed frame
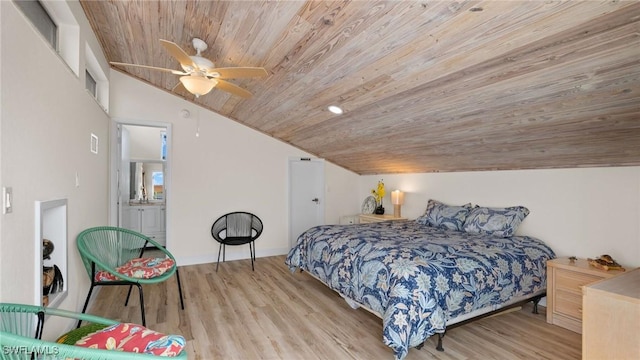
column 535, row 298
column 461, row 320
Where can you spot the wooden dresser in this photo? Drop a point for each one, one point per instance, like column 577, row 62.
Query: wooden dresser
column 369, row 218
column 564, row 290
column 611, row 318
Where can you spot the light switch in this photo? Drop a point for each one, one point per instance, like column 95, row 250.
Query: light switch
column 7, row 199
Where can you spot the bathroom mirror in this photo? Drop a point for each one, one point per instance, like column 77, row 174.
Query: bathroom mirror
column 147, row 181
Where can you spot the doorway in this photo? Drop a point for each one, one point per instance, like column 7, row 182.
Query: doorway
column 140, row 180
column 306, row 196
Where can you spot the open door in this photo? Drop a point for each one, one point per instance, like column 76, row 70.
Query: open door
column 139, row 190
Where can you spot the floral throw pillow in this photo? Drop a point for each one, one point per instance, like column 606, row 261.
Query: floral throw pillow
column 501, row 222
column 143, row 268
column 444, row 216
column 133, row 338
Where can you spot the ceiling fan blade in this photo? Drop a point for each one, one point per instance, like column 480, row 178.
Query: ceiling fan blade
column 237, row 72
column 149, row 67
column 178, row 53
column 233, row 89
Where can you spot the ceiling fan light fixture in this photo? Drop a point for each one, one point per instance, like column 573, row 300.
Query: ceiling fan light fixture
column 198, row 85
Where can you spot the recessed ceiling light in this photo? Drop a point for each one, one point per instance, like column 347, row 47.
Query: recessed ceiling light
column 335, row 109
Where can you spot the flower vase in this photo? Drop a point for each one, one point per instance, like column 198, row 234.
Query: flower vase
column 379, row 209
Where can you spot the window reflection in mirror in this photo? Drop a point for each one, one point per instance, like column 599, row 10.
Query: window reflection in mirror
column 147, row 181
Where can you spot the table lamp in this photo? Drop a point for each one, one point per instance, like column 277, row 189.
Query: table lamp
column 397, row 199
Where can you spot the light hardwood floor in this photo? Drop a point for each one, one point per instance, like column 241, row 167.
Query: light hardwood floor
column 274, row 314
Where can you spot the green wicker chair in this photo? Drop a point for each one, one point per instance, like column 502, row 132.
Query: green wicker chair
column 21, row 329
column 105, row 248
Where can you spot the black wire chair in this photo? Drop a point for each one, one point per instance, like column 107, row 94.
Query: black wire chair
column 237, row 228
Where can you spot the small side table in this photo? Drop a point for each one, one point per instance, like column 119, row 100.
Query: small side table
column 349, row 219
column 371, row 218
column 565, row 279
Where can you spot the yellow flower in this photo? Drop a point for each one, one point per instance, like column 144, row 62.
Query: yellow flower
column 379, row 192
column 381, row 189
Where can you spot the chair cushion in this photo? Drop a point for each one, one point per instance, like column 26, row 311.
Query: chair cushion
column 133, row 338
column 74, row 335
column 143, row 268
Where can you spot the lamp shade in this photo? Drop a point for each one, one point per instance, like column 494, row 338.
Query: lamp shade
column 397, row 197
column 198, row 85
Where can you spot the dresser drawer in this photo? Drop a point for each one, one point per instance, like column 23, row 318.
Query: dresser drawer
column 565, row 279
column 572, row 281
column 568, row 303
column 371, row 218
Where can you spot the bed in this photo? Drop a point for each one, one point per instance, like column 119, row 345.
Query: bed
column 423, row 275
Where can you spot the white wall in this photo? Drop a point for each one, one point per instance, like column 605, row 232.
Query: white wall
column 584, row 212
column 228, row 167
column 342, row 194
column 47, row 120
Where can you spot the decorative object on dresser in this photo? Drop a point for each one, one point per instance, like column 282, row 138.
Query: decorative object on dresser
column 369, row 205
column 611, row 321
column 565, row 279
column 397, row 199
column 378, row 193
column 605, row 262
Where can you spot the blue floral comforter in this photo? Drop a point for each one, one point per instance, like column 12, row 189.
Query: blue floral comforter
column 418, row 277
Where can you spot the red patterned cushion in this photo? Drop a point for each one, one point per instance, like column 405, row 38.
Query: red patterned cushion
column 133, row 338
column 143, row 268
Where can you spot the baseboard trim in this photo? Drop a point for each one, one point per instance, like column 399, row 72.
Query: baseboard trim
column 230, row 256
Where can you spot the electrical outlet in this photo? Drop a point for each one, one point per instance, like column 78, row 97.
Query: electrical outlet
column 7, row 199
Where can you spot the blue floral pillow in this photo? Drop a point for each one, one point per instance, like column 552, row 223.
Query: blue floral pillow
column 444, row 216
column 501, row 222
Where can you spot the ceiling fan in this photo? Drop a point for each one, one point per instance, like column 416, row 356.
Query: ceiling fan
column 200, row 75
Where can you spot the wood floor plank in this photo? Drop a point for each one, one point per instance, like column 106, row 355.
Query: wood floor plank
column 275, row 314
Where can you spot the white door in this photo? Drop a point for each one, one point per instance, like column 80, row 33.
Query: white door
column 306, row 196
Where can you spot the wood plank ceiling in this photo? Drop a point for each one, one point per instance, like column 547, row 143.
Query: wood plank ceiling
column 425, row 85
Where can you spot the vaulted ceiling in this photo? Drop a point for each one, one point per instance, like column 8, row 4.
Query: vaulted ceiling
column 425, row 85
